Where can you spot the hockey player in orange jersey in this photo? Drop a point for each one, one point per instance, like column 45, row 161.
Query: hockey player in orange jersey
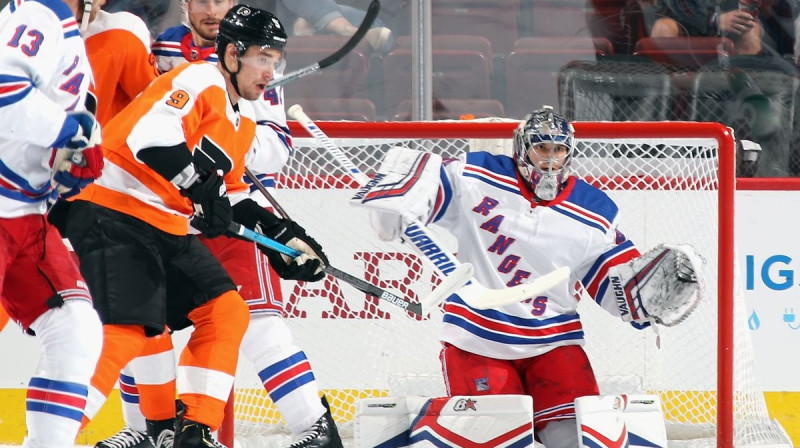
column 146, row 384
column 118, row 46
column 166, row 154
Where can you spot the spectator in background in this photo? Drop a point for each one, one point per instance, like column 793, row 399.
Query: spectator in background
column 755, row 26
column 709, row 18
column 328, row 17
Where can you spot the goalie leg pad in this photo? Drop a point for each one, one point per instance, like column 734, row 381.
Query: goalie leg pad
column 663, row 286
column 620, row 420
column 487, row 420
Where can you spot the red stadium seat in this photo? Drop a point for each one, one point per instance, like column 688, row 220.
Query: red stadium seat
column 454, row 109
column 456, row 74
column 350, row 109
column 345, row 79
column 494, row 19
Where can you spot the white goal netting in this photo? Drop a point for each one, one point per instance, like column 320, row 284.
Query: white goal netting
column 667, row 190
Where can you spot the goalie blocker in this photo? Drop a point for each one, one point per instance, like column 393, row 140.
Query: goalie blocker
column 503, row 421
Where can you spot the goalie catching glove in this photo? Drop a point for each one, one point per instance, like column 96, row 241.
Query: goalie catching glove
column 663, row 286
column 306, row 267
column 402, row 191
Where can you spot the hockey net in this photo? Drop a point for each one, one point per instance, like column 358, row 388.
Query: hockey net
column 673, row 182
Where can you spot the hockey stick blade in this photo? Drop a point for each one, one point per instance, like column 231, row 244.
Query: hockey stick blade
column 369, row 18
column 479, row 297
column 361, row 285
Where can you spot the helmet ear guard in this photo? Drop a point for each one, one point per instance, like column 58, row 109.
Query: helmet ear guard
column 543, row 126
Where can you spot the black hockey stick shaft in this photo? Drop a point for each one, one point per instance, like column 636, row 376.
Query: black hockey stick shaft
column 371, row 14
column 359, row 284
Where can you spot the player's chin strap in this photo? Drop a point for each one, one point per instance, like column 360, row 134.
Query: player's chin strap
column 87, row 13
column 232, row 75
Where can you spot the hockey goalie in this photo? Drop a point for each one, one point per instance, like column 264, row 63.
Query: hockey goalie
column 517, row 218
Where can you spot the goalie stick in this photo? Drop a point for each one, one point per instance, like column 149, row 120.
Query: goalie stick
column 421, row 309
column 371, row 14
column 426, row 304
column 427, row 246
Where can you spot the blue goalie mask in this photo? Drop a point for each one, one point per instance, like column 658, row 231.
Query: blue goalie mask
column 543, row 146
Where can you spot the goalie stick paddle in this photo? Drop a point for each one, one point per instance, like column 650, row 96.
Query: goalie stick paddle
column 361, row 285
column 371, row 14
column 485, row 298
column 449, row 285
column 427, row 245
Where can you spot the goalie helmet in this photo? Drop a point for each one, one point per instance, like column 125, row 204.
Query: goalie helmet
column 245, row 26
column 547, row 175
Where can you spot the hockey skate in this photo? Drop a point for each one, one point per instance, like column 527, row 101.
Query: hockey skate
column 191, row 434
column 161, row 432
column 127, row 437
column 322, row 434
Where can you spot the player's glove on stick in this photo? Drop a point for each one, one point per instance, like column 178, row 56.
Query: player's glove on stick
column 213, row 213
column 78, row 161
column 306, row 267
column 664, row 285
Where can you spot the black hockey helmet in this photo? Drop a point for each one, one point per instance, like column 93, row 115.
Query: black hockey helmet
column 245, row 26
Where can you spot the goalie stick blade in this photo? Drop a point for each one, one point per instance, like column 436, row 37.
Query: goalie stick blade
column 362, row 285
column 449, row 285
column 479, row 297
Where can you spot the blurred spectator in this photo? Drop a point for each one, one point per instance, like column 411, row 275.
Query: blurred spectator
column 327, row 16
column 711, row 18
column 755, row 26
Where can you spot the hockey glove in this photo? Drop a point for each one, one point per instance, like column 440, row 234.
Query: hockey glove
column 73, row 170
column 306, row 267
column 212, row 208
column 78, row 161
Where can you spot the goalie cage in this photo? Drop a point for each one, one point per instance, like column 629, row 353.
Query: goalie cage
column 674, row 183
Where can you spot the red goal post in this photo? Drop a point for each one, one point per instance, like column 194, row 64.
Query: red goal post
column 360, row 135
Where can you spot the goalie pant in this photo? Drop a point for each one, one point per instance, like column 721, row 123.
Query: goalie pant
column 508, row 238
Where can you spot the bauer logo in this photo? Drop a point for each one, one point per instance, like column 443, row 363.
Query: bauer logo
column 465, row 404
column 382, row 405
column 775, row 272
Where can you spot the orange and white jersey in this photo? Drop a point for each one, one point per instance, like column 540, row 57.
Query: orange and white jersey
column 118, row 46
column 187, row 104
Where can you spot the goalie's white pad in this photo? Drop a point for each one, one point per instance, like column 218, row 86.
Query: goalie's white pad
column 489, row 420
column 620, row 420
column 663, row 286
column 403, row 190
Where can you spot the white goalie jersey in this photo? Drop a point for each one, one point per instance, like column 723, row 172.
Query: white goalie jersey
column 510, row 239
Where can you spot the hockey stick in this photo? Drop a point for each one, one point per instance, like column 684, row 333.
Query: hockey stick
column 426, row 244
column 420, row 309
column 425, row 305
column 371, row 14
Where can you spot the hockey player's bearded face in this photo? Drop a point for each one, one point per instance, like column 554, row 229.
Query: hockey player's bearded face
column 204, row 17
column 257, row 68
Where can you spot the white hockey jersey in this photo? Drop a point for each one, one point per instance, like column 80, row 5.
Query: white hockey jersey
column 273, row 144
column 510, row 239
column 44, row 72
